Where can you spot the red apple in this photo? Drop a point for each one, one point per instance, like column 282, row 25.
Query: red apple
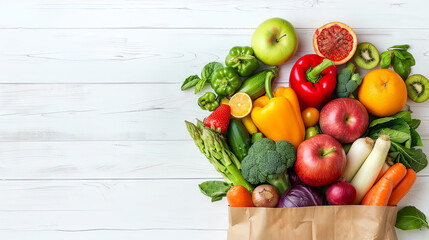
column 345, row 119
column 320, row 160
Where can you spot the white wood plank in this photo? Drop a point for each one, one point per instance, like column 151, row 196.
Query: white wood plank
column 210, row 14
column 109, row 160
column 103, row 160
column 102, row 234
column 85, row 206
column 152, row 55
column 108, row 112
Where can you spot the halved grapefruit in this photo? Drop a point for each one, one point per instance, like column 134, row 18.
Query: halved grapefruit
column 335, row 41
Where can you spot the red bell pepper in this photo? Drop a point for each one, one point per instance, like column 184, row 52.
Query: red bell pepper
column 313, row 78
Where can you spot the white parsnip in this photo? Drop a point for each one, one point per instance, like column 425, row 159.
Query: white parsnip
column 357, row 154
column 368, row 172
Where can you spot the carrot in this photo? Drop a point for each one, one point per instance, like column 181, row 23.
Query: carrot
column 380, row 193
column 395, row 173
column 403, row 187
column 368, row 196
column 383, row 170
column 239, row 196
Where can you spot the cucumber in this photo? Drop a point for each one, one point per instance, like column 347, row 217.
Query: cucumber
column 238, row 139
column 255, row 85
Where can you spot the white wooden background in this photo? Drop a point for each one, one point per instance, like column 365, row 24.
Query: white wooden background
column 93, row 143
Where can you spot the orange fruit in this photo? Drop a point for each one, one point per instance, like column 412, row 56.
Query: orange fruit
column 238, row 196
column 383, row 92
column 241, row 105
column 335, row 41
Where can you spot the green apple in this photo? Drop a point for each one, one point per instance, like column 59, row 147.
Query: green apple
column 274, row 41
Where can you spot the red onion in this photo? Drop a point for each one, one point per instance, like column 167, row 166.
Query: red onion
column 341, row 193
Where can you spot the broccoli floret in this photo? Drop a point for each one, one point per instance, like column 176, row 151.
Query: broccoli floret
column 347, row 81
column 267, row 161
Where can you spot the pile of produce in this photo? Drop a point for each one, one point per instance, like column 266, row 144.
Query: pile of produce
column 333, row 137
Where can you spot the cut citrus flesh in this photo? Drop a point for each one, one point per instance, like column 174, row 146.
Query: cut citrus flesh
column 335, row 41
column 241, row 105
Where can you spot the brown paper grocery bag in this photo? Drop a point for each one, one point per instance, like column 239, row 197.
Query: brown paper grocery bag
column 352, row 222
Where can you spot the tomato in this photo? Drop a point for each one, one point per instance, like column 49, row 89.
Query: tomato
column 310, row 116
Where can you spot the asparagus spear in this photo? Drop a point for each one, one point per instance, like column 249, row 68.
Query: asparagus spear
column 214, row 147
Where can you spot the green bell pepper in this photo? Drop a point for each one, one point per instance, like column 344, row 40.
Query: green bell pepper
column 225, row 81
column 242, row 59
column 208, row 101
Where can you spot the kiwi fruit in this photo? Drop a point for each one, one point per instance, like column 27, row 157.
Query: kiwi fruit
column 366, row 56
column 417, row 88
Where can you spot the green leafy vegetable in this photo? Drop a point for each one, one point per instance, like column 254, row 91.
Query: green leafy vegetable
column 209, row 69
column 405, row 115
column 214, row 189
column 200, row 85
column 386, row 59
column 403, row 136
column 415, row 138
column 408, row 56
column 410, row 157
column 399, row 59
column 404, row 47
column 206, row 75
column 190, row 82
column 410, row 218
column 415, row 123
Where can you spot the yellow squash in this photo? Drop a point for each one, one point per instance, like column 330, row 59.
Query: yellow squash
column 278, row 116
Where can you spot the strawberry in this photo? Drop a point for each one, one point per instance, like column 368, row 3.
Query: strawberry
column 219, row 119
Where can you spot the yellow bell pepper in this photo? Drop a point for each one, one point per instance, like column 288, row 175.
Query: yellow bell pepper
column 278, row 116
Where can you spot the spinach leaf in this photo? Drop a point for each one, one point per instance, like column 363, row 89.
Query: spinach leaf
column 409, row 57
column 190, row 82
column 415, row 138
column 398, row 54
column 380, row 121
column 399, row 59
column 389, row 122
column 402, row 47
column 395, row 135
column 214, row 189
column 209, row 69
column 410, row 157
column 200, row 85
column 415, row 123
column 410, row 218
column 406, row 115
column 401, row 67
column 386, row 59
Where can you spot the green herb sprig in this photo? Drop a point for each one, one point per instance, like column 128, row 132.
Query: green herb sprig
column 198, row 82
column 399, row 59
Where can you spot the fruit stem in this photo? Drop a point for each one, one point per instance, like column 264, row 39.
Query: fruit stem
column 244, row 57
column 313, row 74
column 328, row 152
column 278, row 39
column 268, row 88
